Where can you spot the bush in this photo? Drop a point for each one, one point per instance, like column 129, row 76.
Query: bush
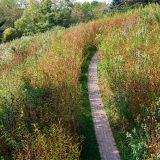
column 9, row 34
column 1, row 30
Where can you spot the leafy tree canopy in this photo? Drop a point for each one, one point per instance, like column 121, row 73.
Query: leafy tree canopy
column 83, row 12
column 42, row 15
column 117, row 4
column 11, row 11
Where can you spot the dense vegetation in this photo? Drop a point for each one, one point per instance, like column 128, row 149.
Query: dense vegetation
column 30, row 17
column 40, row 91
column 44, row 109
column 129, row 69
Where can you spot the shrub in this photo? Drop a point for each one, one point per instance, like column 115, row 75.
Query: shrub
column 1, row 30
column 9, row 34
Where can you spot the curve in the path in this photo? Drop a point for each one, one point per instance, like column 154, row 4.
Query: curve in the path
column 105, row 140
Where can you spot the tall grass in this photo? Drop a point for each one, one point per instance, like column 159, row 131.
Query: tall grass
column 130, row 62
column 42, row 90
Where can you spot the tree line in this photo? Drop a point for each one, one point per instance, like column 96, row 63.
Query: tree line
column 120, row 4
column 22, row 17
column 38, row 16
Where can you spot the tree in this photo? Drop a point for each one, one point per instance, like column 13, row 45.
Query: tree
column 84, row 12
column 42, row 15
column 98, row 9
column 125, row 4
column 87, row 11
column 77, row 15
column 10, row 11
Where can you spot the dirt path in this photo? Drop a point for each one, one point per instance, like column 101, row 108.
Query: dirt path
column 106, row 143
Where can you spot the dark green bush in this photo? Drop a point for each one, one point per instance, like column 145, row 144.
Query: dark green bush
column 1, row 30
column 9, row 34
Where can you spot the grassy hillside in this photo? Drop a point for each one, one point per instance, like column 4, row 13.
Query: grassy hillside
column 44, row 107
column 40, row 91
column 129, row 72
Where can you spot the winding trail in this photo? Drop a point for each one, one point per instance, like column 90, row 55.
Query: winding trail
column 105, row 140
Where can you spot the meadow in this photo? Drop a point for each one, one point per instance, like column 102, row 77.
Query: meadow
column 44, row 108
column 129, row 70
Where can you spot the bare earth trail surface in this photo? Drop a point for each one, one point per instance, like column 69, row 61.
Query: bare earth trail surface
column 105, row 140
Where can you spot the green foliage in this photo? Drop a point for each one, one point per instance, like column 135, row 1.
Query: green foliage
column 123, row 5
column 138, row 146
column 130, row 69
column 9, row 34
column 46, row 14
column 84, row 12
column 10, row 11
column 87, row 10
column 41, row 16
column 43, row 88
column 26, row 140
column 27, row 127
column 1, row 30
column 157, row 15
column 2, row 23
